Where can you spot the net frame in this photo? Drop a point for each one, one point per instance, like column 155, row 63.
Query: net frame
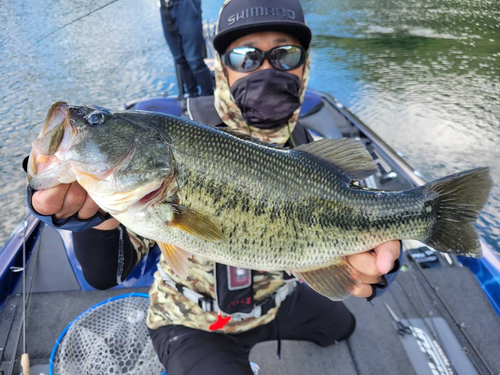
column 147, row 346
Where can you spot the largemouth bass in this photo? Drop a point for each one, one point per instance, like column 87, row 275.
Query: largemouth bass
column 199, row 190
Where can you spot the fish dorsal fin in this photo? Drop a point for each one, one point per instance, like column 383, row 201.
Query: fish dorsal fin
column 248, row 137
column 195, row 224
column 177, row 259
column 336, row 282
column 346, row 154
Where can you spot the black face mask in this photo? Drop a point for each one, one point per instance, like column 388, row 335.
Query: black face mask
column 267, row 98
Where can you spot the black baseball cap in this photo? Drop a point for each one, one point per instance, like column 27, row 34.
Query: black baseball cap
column 243, row 17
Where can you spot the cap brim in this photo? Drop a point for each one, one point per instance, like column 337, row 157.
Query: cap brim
column 223, row 39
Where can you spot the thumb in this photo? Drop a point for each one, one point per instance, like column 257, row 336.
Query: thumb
column 387, row 254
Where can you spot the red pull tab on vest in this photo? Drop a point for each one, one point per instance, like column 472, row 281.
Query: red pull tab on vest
column 219, row 323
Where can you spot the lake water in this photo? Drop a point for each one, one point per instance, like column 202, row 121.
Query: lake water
column 425, row 75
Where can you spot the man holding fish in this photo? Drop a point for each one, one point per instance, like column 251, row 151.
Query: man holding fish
column 266, row 209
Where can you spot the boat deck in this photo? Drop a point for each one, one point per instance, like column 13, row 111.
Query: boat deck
column 374, row 348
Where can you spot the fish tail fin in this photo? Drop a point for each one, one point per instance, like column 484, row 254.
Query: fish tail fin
column 337, row 281
column 456, row 201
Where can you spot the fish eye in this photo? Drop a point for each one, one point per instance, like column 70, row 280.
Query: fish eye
column 96, row 118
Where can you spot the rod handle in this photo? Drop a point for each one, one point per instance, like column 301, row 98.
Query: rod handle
column 25, row 364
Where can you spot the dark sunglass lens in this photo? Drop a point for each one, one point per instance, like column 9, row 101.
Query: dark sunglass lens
column 244, row 59
column 287, row 57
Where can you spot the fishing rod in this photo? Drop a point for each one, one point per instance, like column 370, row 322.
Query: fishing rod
column 429, row 312
column 72, row 22
column 460, row 326
column 408, row 296
column 438, row 341
column 25, row 363
column 31, row 270
column 25, row 359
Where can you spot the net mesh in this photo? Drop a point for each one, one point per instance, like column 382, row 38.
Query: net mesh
column 110, row 338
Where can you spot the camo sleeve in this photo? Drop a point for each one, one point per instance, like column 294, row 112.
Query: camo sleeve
column 140, row 244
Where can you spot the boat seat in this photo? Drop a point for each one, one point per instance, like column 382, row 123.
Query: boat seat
column 164, row 105
column 312, row 104
column 314, row 115
column 321, row 120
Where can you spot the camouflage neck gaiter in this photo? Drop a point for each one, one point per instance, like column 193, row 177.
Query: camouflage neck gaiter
column 231, row 114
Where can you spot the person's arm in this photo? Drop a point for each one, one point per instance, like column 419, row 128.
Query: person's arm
column 107, row 257
column 102, row 247
column 377, row 269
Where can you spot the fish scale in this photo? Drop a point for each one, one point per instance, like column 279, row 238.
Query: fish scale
column 201, row 190
column 315, row 206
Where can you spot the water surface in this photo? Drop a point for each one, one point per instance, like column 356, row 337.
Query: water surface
column 425, row 75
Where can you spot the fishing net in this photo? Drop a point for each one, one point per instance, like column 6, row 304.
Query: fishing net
column 109, row 338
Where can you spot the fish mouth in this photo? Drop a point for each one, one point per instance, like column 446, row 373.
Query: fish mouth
column 58, row 111
column 158, row 193
column 55, row 135
column 53, row 129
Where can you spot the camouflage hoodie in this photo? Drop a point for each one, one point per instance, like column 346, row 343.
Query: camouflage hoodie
column 168, row 305
column 231, row 114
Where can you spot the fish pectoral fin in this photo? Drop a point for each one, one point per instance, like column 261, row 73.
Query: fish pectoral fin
column 177, row 259
column 335, row 282
column 346, row 154
column 195, row 224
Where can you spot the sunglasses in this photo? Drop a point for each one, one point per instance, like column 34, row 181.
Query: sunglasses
column 248, row 59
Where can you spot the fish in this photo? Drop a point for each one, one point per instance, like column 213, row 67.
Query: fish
column 197, row 189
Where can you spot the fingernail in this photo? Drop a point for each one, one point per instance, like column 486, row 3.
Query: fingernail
column 387, row 268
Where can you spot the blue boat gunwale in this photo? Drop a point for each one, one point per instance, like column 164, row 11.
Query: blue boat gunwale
column 26, row 234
